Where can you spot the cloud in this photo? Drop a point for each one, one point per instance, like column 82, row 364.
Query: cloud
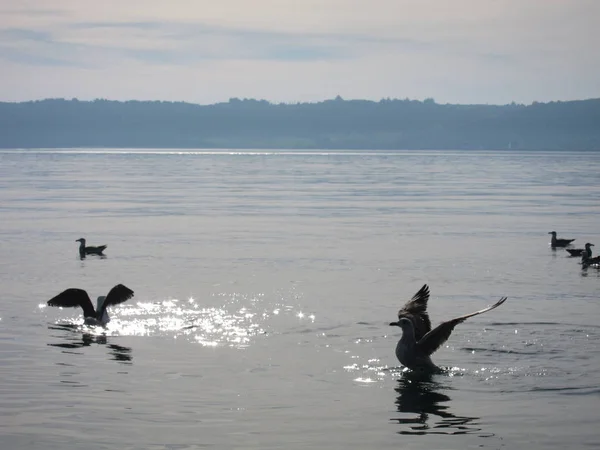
column 464, row 50
column 88, row 43
column 38, row 48
column 28, row 13
column 26, row 58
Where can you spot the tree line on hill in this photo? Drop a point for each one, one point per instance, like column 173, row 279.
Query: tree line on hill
column 330, row 124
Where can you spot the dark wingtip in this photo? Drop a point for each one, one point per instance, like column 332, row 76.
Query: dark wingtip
column 423, row 291
column 394, row 324
column 499, row 302
column 126, row 291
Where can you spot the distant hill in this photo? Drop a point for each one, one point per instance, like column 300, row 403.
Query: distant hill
column 331, row 124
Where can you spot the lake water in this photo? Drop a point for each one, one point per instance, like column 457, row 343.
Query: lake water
column 264, row 284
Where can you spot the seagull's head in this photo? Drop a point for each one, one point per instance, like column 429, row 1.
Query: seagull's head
column 403, row 323
column 553, row 233
column 82, row 240
column 588, row 245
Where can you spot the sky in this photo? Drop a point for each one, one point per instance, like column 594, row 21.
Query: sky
column 207, row 51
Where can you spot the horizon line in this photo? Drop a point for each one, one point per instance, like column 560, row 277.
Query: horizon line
column 337, row 98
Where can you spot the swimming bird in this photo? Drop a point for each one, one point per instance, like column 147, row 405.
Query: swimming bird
column 419, row 341
column 73, row 297
column 83, row 250
column 559, row 242
column 586, row 257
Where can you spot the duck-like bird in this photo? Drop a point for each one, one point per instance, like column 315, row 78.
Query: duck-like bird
column 559, row 242
column 83, row 250
column 419, row 341
column 586, row 257
column 73, row 297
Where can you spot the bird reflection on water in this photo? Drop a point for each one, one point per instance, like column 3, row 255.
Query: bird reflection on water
column 84, row 257
column 422, row 396
column 75, row 339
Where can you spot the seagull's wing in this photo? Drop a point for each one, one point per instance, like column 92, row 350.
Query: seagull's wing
column 99, row 249
column 73, row 297
column 118, row 294
column 564, row 241
column 440, row 334
column 416, row 310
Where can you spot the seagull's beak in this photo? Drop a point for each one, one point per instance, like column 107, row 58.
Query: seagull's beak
column 394, row 324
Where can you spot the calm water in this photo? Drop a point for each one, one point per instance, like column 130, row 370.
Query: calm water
column 264, row 283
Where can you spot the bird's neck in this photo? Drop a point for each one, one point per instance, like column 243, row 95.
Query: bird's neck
column 408, row 336
column 405, row 348
column 104, row 317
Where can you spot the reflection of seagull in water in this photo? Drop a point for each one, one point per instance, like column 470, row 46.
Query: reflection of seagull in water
column 119, row 353
column 418, row 340
column 73, row 297
column 424, row 398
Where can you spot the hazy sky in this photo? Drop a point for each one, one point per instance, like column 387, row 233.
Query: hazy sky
column 456, row 51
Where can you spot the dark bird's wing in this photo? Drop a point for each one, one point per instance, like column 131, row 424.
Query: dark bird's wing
column 575, row 251
column 118, row 294
column 563, row 242
column 73, row 297
column 416, row 310
column 440, row 334
column 95, row 250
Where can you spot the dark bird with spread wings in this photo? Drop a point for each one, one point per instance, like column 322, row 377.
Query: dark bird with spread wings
column 419, row 341
column 73, row 297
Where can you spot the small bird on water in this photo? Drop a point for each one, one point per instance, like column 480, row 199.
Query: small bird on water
column 83, row 250
column 73, row 297
column 554, row 242
column 419, row 341
column 586, row 257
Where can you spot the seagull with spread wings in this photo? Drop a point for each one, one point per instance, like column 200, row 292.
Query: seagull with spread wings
column 73, row 297
column 419, row 341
